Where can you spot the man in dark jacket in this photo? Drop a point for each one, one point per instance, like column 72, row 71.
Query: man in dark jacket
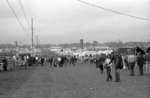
column 118, row 64
column 140, row 62
column 5, row 64
column 100, row 61
column 147, row 58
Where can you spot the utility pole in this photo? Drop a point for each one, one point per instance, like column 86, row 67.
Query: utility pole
column 32, row 31
column 37, row 41
column 16, row 44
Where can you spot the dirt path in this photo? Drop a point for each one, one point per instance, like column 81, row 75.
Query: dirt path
column 82, row 81
column 37, row 86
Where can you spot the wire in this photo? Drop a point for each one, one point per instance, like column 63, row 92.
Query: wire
column 113, row 11
column 17, row 18
column 23, row 10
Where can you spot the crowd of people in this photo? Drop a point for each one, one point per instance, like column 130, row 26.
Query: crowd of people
column 23, row 61
column 115, row 61
column 60, row 60
column 118, row 61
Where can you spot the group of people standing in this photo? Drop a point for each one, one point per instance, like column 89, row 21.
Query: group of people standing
column 118, row 61
column 108, row 62
column 60, row 61
column 140, row 58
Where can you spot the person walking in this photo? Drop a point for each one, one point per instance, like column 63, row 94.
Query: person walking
column 5, row 64
column 101, row 61
column 131, row 59
column 108, row 66
column 140, row 62
column 118, row 65
column 147, row 58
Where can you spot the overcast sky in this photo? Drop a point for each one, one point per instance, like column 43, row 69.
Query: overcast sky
column 66, row 21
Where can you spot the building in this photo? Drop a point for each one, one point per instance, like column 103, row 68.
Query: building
column 81, row 43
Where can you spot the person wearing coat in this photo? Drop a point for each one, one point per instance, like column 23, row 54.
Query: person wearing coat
column 107, row 66
column 118, row 64
column 140, row 59
column 131, row 59
column 147, row 58
column 140, row 62
column 5, row 62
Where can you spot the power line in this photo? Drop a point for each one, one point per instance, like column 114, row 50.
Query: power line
column 113, row 11
column 17, row 18
column 23, row 10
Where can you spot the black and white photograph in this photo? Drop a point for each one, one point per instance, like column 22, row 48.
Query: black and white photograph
column 74, row 48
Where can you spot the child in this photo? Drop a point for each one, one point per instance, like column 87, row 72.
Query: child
column 108, row 66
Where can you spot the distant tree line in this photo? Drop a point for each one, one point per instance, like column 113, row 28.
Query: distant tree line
column 87, row 44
